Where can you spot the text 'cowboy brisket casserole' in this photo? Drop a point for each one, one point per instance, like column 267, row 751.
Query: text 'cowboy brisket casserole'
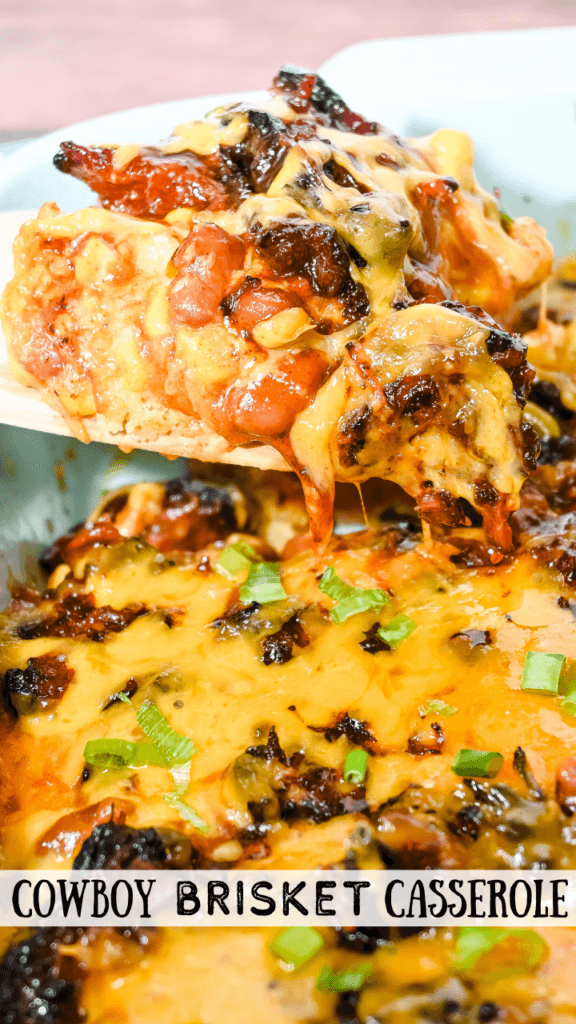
column 300, row 279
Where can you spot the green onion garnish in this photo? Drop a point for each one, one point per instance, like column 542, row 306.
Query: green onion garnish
column 297, row 945
column 355, row 766
column 568, row 704
column 114, row 753
column 400, row 628
column 568, row 689
column 235, row 559
column 472, row 942
column 480, row 764
column 437, row 707
column 185, row 812
column 350, row 600
column 181, row 776
column 349, row 980
column 541, row 673
column 175, row 748
column 263, row 584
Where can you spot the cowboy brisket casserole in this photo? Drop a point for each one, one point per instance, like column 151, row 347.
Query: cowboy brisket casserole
column 296, row 288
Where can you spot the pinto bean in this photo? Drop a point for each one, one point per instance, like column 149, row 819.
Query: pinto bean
column 206, row 260
column 266, row 406
column 260, row 304
column 566, row 784
column 410, row 843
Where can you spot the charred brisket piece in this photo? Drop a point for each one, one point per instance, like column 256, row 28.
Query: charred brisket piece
column 39, row 984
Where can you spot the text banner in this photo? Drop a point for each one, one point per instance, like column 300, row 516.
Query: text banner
column 273, row 898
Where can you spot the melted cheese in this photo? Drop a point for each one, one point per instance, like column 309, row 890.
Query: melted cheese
column 433, row 340
column 204, row 137
column 228, row 696
column 106, row 346
column 552, row 350
column 216, row 690
column 229, row 974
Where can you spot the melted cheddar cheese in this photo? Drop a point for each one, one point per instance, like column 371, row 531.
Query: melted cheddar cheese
column 294, row 287
column 144, row 617
column 279, row 302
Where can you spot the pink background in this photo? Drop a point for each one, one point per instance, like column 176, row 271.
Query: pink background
column 65, row 60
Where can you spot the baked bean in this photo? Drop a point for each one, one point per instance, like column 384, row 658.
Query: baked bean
column 206, row 261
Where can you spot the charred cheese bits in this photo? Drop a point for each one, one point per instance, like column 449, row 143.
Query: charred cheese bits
column 294, row 278
column 365, row 707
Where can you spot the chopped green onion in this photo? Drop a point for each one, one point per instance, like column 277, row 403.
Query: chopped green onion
column 350, row 600
column 437, row 707
column 331, row 585
column 480, row 764
column 263, row 584
column 181, row 776
column 324, row 979
column 349, row 980
column 185, row 812
column 297, row 945
column 355, row 766
column 568, row 690
column 535, row 947
column 568, row 704
column 235, row 559
column 541, row 673
column 505, row 220
column 568, row 683
column 365, row 601
column 472, row 943
column 175, row 748
column 114, row 753
column 400, row 628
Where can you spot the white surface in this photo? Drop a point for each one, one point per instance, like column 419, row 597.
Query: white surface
column 463, row 66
